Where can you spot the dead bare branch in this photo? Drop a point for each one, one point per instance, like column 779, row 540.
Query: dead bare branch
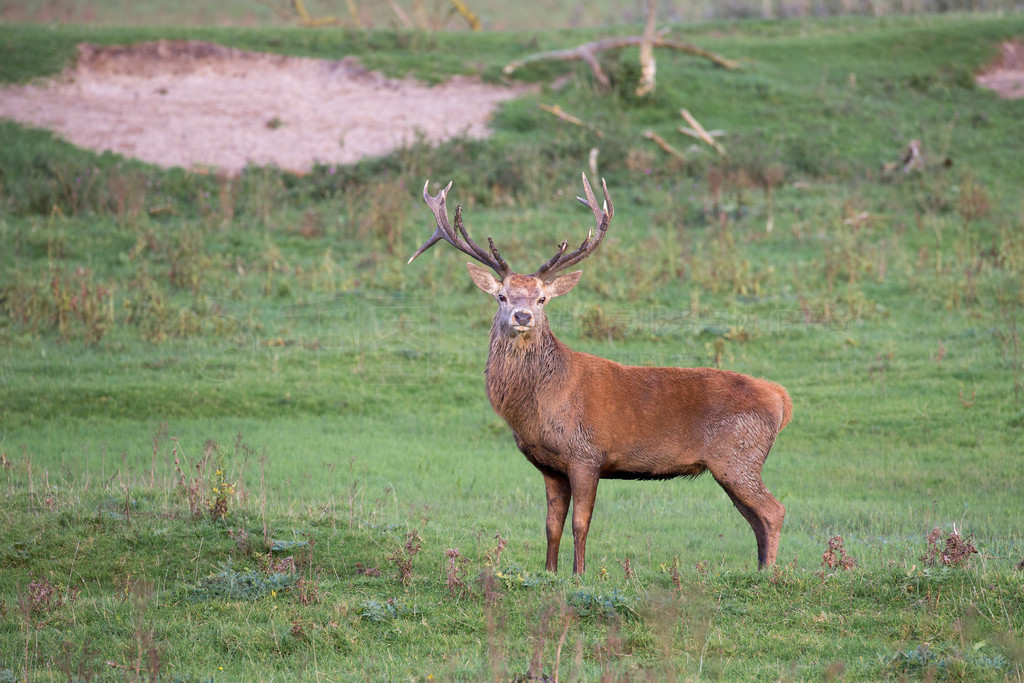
column 588, row 53
column 469, row 15
column 648, row 66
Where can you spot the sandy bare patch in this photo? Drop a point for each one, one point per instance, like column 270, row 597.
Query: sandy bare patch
column 188, row 103
column 1006, row 75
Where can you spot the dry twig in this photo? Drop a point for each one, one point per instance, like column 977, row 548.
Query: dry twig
column 663, row 143
column 558, row 112
column 702, row 134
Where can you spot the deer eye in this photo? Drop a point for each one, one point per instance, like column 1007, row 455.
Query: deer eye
column 501, row 298
column 542, row 299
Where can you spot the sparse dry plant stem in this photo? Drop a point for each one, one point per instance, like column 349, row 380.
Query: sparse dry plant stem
column 308, row 588
column 627, row 569
column 145, row 655
column 158, row 436
column 835, row 556
column 553, row 619
column 492, row 558
column 956, row 551
column 207, row 493
column 402, row 556
column 455, row 573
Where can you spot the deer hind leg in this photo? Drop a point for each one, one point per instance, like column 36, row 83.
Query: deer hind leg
column 740, row 476
column 764, row 513
column 559, row 494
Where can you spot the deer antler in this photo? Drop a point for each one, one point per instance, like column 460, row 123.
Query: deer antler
column 603, row 215
column 458, row 237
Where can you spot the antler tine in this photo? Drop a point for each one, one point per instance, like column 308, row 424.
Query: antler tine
column 492, row 259
column 603, row 216
column 562, row 246
column 444, row 231
column 591, row 200
column 505, row 268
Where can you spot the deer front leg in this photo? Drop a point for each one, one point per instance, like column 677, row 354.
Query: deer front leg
column 584, row 492
column 559, row 493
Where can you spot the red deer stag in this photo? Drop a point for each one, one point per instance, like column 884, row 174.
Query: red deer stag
column 579, row 418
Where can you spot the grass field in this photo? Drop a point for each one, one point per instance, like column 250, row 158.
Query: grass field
column 241, row 439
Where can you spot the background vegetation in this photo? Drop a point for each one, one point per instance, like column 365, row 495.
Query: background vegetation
column 434, row 14
column 241, row 439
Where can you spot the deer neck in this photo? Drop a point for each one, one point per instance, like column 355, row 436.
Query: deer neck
column 520, row 369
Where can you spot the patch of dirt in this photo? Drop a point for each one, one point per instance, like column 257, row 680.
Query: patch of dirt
column 1006, row 74
column 191, row 103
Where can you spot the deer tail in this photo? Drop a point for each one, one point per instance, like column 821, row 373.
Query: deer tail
column 787, row 405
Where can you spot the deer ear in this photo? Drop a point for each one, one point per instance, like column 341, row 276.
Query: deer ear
column 562, row 284
column 483, row 279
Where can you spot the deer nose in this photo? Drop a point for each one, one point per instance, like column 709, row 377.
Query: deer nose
column 522, row 317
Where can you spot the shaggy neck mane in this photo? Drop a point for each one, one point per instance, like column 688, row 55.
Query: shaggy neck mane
column 519, row 368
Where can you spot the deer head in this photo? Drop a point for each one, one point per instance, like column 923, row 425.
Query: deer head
column 520, row 298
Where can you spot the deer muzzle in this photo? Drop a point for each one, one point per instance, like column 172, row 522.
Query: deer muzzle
column 522, row 320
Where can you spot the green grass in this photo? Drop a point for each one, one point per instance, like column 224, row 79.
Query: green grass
column 493, row 14
column 155, row 310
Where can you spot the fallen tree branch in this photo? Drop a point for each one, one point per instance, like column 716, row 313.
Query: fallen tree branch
column 664, row 144
column 558, row 112
column 588, row 53
column 471, row 18
column 648, row 65
column 701, row 134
